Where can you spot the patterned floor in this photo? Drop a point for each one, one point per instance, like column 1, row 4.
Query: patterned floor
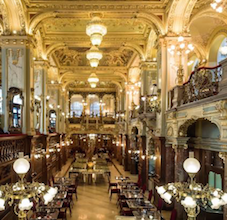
column 93, row 200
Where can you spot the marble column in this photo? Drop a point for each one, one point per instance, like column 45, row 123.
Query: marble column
column 17, row 72
column 41, row 67
column 181, row 154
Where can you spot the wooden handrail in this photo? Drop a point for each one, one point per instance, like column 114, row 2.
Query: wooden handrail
column 200, row 68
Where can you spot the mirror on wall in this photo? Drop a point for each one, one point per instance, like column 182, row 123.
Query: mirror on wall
column 37, row 114
column 16, row 100
column 52, row 120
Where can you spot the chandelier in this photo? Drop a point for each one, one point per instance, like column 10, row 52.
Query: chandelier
column 93, row 80
column 96, row 30
column 22, row 194
column 94, row 55
column 191, row 194
column 217, row 5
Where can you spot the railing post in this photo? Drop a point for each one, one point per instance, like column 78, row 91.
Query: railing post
column 177, row 97
column 223, row 82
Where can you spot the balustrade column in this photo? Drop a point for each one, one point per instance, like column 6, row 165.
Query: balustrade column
column 17, row 72
column 41, row 67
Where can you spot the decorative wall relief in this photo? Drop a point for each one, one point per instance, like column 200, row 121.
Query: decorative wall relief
column 15, row 58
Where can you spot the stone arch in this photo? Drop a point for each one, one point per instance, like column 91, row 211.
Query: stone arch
column 179, row 15
column 54, row 47
column 122, row 75
column 183, row 129
column 5, row 17
column 214, row 43
column 138, row 49
column 152, row 20
column 38, row 18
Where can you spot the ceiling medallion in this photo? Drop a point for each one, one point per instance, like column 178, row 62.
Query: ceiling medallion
column 96, row 30
column 94, row 55
column 93, row 80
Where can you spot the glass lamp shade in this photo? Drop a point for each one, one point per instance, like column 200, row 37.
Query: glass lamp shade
column 94, row 55
column 53, row 191
column 93, row 80
column 167, row 197
column 25, row 204
column 21, row 166
column 2, row 204
column 216, row 203
column 188, row 202
column 96, row 39
column 161, row 190
column 224, row 197
column 191, row 165
column 47, row 198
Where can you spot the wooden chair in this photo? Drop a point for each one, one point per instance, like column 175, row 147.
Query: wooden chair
column 112, row 185
column 144, row 188
column 114, row 191
column 160, row 205
column 63, row 214
column 150, row 195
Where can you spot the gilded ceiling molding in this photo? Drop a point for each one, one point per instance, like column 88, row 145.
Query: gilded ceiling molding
column 116, row 83
column 21, row 15
column 208, row 12
column 179, row 15
column 54, row 47
column 138, row 49
column 40, row 17
column 152, row 20
column 150, row 43
column 121, row 75
column 5, row 17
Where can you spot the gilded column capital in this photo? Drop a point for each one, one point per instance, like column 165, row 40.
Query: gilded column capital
column 41, row 64
column 223, row 156
column 15, row 41
column 180, row 143
column 148, row 65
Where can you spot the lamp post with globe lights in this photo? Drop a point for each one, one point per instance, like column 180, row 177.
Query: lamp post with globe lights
column 21, row 194
column 191, row 194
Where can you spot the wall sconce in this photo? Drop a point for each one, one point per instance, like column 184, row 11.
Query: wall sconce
column 129, row 151
column 143, row 157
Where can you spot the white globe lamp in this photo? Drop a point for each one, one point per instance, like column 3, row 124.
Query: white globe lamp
column 21, row 166
column 191, row 166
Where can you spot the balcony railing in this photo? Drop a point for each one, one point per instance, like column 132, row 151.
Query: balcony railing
column 203, row 83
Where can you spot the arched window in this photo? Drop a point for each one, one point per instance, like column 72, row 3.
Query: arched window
column 95, row 108
column 76, row 109
column 222, row 52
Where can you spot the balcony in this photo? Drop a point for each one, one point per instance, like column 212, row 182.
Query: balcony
column 203, row 85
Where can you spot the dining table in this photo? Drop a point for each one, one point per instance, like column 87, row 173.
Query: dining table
column 140, row 204
column 132, row 195
column 52, row 215
column 55, row 204
column 60, row 195
column 147, row 214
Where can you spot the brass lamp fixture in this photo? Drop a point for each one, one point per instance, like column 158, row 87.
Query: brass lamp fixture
column 182, row 46
column 22, row 194
column 94, row 55
column 191, row 194
column 96, row 30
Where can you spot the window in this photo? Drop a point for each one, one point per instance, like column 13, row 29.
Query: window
column 76, row 109
column 215, row 180
column 94, row 108
column 222, row 52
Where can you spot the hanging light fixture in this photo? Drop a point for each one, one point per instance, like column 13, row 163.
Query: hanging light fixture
column 96, row 30
column 94, row 55
column 93, row 80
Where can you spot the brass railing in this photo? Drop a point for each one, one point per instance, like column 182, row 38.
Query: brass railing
column 203, row 83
